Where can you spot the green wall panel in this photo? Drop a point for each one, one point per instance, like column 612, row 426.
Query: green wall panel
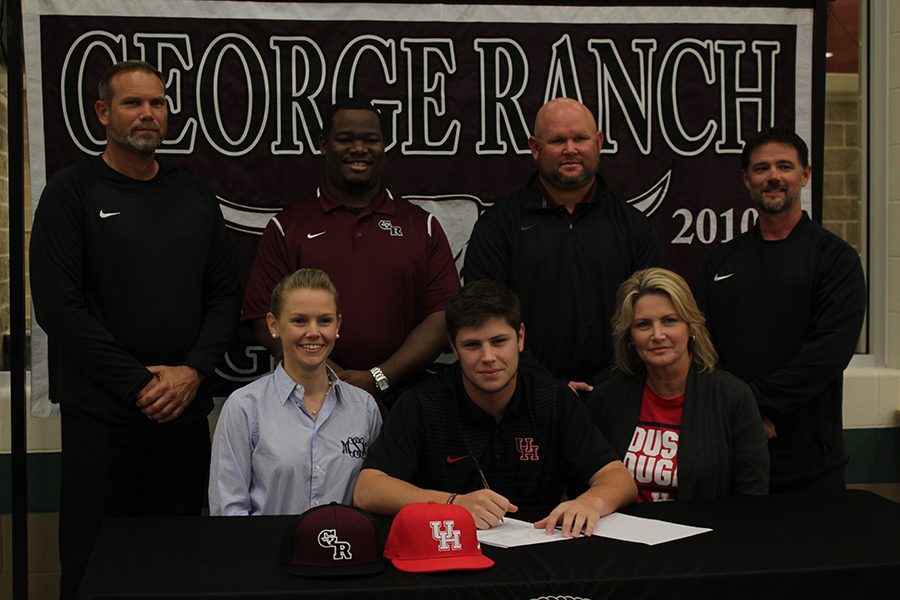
column 874, row 458
column 43, row 482
column 874, row 455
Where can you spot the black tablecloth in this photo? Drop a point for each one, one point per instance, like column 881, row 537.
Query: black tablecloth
column 788, row 546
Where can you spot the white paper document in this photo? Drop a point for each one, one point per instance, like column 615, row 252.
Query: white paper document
column 513, row 532
column 643, row 531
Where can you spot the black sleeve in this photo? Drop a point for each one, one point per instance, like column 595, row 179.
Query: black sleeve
column 397, row 449
column 700, row 288
column 57, row 291
column 602, row 375
column 646, row 251
column 488, row 250
column 649, row 249
column 221, row 299
column 584, row 450
column 750, row 451
column 615, row 406
column 840, row 305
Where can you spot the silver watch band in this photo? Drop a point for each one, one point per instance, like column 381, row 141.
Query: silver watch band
column 381, row 381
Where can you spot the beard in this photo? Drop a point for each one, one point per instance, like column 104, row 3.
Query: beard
column 773, row 208
column 565, row 182
column 136, row 145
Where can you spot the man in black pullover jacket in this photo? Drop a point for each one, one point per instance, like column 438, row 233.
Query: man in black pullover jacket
column 134, row 279
column 784, row 304
column 563, row 244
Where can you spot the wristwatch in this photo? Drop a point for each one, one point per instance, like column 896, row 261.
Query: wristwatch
column 381, row 382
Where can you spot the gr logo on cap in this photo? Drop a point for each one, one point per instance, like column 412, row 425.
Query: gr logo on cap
column 331, row 541
column 328, row 539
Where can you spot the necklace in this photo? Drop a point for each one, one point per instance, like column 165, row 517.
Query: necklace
column 315, row 412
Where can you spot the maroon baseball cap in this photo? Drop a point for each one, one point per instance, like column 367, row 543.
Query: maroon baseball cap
column 429, row 537
column 333, row 540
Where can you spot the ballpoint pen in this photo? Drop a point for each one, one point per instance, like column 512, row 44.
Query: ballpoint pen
column 477, row 466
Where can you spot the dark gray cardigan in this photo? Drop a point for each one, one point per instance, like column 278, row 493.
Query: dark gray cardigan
column 722, row 449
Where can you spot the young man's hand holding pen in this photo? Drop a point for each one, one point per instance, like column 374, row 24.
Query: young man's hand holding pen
column 487, row 507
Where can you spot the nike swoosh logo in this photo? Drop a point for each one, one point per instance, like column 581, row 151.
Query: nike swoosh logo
column 106, row 215
column 527, row 227
column 718, row 277
column 451, row 459
column 311, row 236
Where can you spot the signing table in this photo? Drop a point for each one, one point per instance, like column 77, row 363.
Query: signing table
column 790, row 546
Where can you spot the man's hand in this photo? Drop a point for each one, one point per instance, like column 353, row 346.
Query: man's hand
column 487, row 507
column 170, row 392
column 361, row 379
column 769, row 428
column 576, row 517
column 580, row 386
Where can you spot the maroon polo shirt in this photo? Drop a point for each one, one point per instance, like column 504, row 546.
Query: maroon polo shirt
column 391, row 264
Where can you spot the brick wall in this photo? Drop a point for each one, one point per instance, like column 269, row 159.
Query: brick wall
column 841, row 196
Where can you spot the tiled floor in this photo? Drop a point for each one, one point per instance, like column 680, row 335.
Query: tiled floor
column 43, row 557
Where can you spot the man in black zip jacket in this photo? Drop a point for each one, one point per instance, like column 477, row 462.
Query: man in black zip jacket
column 134, row 279
column 785, row 304
column 563, row 244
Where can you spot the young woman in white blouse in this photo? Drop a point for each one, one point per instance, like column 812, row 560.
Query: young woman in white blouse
column 295, row 438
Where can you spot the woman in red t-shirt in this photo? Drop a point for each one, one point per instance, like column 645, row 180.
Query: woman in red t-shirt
column 683, row 428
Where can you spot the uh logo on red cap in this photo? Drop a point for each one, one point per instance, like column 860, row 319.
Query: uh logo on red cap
column 447, row 538
column 430, row 537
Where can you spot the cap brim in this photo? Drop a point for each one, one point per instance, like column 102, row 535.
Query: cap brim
column 433, row 565
column 371, row 568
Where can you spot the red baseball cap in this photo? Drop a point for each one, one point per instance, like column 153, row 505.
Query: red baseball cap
column 332, row 540
column 429, row 537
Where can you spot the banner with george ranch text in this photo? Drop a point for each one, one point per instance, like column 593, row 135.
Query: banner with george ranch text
column 676, row 90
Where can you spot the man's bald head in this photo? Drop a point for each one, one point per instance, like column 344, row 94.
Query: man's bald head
column 566, row 145
column 563, row 108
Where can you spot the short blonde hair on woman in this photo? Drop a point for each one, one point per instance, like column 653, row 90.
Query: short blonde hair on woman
column 313, row 279
column 672, row 285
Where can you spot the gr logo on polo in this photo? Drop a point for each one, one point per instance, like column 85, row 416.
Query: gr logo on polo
column 447, row 538
column 341, row 550
column 395, row 230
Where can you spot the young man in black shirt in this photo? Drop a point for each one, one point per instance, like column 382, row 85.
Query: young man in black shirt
column 491, row 437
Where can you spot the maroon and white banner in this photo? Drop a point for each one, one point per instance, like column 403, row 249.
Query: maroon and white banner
column 676, row 90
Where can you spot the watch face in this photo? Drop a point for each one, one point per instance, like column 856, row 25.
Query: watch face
column 381, row 384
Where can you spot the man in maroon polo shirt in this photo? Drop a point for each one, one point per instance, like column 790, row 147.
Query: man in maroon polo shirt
column 389, row 259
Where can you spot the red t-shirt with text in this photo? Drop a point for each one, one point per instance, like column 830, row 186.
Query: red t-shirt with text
column 652, row 456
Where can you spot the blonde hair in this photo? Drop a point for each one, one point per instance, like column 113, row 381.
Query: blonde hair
column 314, row 279
column 672, row 285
